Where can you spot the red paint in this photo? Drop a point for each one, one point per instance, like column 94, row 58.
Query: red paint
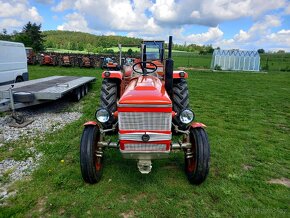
column 139, row 109
column 91, row 123
column 145, row 90
column 115, row 114
column 176, row 75
column 113, row 74
column 197, row 125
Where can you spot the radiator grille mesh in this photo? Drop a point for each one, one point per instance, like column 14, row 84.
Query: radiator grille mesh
column 144, row 121
column 145, row 147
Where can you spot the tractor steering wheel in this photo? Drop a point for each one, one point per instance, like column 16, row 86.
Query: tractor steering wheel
column 144, row 69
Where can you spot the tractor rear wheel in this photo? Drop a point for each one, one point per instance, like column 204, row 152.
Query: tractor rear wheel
column 180, row 100
column 197, row 157
column 91, row 159
column 109, row 95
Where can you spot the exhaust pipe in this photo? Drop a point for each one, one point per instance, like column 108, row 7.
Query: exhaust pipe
column 169, row 69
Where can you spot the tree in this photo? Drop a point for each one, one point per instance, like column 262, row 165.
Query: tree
column 130, row 52
column 281, row 52
column 5, row 36
column 31, row 36
column 261, row 51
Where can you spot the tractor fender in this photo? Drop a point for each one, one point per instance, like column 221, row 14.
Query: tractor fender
column 112, row 74
column 198, row 125
column 179, row 74
column 91, row 123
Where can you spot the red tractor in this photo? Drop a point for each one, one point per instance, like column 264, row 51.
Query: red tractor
column 49, row 59
column 67, row 61
column 109, row 64
column 146, row 104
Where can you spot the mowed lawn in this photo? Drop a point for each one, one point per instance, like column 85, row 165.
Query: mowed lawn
column 248, row 119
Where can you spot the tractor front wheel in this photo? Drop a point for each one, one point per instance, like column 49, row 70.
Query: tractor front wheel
column 91, row 158
column 197, row 157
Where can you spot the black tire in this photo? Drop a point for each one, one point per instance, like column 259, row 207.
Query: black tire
column 91, row 165
column 197, row 167
column 180, row 100
column 77, row 95
column 19, row 79
column 83, row 91
column 24, row 97
column 109, row 95
column 86, row 88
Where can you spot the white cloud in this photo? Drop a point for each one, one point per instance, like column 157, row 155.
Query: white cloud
column 259, row 35
column 258, row 29
column 64, row 5
column 15, row 13
column 75, row 22
column 213, row 34
column 150, row 19
column 208, row 12
column 9, row 23
column 281, row 38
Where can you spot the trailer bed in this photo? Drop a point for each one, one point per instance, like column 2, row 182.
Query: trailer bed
column 44, row 89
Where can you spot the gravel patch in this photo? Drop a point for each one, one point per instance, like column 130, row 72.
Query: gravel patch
column 42, row 122
column 47, row 118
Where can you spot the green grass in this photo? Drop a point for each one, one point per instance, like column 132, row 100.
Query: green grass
column 248, row 123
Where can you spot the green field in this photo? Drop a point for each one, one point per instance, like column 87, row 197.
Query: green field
column 248, row 119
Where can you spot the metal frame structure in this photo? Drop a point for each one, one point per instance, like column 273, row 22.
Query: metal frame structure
column 235, row 60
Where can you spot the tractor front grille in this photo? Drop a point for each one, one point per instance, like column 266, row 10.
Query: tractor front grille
column 145, row 121
column 145, row 147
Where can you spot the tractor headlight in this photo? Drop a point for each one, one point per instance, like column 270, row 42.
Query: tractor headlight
column 186, row 116
column 102, row 115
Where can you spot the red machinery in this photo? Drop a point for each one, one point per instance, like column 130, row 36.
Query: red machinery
column 145, row 104
column 48, row 59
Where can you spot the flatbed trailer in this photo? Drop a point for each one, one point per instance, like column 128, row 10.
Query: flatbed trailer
column 42, row 90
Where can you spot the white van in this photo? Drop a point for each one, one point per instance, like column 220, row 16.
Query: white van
column 13, row 63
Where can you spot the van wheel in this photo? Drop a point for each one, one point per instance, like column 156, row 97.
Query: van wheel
column 19, row 79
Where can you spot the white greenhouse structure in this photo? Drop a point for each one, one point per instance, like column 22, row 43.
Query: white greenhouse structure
column 235, row 60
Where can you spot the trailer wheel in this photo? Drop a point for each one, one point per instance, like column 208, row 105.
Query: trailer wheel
column 180, row 99
column 83, row 91
column 77, row 95
column 91, row 159
column 109, row 95
column 197, row 165
column 86, row 88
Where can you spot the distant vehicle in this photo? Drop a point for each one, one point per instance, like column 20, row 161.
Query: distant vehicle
column 13, row 63
column 31, row 56
column 110, row 64
column 67, row 61
column 48, row 59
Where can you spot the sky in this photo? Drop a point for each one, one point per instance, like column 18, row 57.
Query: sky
column 228, row 24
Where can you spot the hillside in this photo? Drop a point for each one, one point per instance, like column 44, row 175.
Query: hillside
column 84, row 41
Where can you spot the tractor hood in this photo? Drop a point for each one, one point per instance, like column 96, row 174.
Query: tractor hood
column 145, row 90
